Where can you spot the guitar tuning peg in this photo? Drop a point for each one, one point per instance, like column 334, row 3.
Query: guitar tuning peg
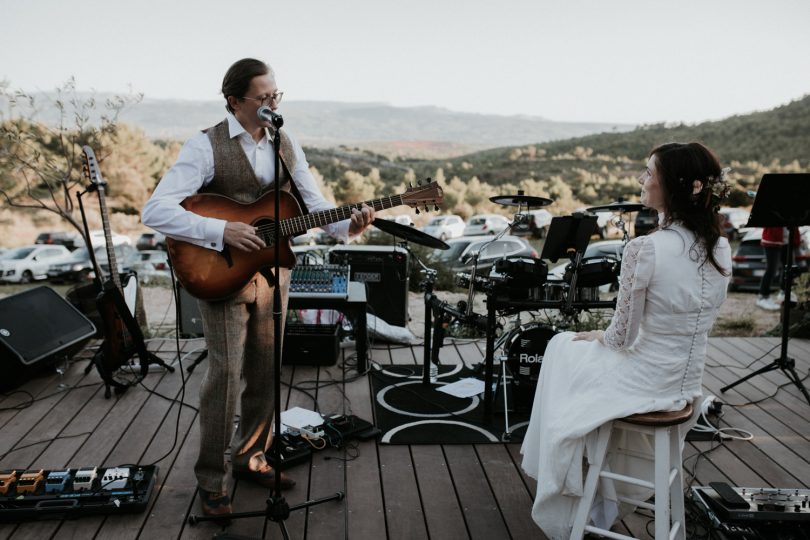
column 427, row 208
column 410, row 184
column 429, row 179
column 436, row 207
column 419, row 182
column 417, row 211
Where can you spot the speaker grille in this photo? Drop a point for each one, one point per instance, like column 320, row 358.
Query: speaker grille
column 38, row 323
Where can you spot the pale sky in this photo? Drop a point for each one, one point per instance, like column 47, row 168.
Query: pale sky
column 569, row 60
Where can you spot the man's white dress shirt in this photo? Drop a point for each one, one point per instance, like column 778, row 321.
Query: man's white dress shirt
column 194, row 169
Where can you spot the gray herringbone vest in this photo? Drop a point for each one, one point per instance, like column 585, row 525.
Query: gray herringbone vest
column 233, row 175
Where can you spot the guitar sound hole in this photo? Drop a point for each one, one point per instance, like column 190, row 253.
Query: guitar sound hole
column 266, row 230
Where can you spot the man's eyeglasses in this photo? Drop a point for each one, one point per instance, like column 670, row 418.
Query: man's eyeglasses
column 267, row 100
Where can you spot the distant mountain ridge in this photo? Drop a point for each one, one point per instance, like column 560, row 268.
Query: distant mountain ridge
column 326, row 123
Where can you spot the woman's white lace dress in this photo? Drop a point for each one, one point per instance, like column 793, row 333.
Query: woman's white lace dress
column 652, row 360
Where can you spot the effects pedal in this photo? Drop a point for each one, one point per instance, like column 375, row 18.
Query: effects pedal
column 56, row 481
column 340, row 428
column 293, row 451
column 7, row 479
column 84, row 478
column 115, row 478
column 30, row 481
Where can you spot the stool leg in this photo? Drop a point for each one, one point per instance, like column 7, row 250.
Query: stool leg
column 662, row 453
column 676, row 489
column 591, row 481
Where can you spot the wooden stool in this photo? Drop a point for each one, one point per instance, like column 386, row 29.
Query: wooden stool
column 668, row 486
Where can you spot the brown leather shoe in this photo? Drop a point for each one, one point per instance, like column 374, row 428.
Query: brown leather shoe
column 215, row 504
column 265, row 477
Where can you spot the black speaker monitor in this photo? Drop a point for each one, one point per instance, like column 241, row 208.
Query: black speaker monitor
column 37, row 326
column 384, row 270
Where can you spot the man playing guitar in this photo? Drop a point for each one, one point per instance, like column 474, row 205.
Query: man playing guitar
column 235, row 158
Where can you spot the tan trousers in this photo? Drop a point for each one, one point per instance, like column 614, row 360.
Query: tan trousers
column 239, row 336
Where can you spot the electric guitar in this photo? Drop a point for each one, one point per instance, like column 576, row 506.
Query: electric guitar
column 123, row 336
column 214, row 275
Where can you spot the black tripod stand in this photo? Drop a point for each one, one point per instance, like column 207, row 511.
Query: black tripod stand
column 783, row 200
column 277, row 508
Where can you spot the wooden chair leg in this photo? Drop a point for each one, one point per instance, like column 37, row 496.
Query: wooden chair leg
column 591, row 481
column 676, row 488
column 662, row 469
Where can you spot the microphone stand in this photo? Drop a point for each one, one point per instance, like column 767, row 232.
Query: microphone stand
column 277, row 508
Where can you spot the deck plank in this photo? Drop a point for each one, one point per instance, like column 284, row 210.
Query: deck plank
column 393, row 491
column 481, row 512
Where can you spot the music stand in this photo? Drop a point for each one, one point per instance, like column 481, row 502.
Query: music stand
column 568, row 235
column 782, row 200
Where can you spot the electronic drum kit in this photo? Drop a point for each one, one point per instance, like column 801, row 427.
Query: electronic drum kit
column 518, row 284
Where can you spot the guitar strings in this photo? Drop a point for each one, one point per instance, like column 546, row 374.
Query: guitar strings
column 308, row 221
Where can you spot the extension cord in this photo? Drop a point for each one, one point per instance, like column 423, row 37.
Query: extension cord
column 711, row 405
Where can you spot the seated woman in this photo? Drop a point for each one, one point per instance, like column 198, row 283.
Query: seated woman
column 651, row 357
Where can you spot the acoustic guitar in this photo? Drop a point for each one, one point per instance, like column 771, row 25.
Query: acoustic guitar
column 215, row 275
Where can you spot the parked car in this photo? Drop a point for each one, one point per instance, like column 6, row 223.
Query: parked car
column 25, row 264
column 646, row 221
column 315, row 237
column 151, row 240
column 402, row 219
column 733, row 221
column 459, row 257
column 603, row 221
column 97, row 238
column 70, row 240
column 485, row 224
column 444, row 227
column 536, row 224
column 748, row 262
column 603, row 248
column 78, row 266
column 309, row 254
column 150, row 264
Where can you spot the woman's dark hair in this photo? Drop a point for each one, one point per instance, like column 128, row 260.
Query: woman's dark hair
column 237, row 80
column 678, row 165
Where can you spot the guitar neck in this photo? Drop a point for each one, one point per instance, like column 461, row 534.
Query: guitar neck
column 108, row 238
column 303, row 223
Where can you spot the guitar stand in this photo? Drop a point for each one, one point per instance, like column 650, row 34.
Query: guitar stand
column 197, row 361
column 108, row 287
column 145, row 357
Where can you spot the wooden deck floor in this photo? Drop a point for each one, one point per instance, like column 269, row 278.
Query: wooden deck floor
column 394, row 492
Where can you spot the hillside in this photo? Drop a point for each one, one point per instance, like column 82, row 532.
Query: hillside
column 600, row 168
column 593, row 169
column 326, row 123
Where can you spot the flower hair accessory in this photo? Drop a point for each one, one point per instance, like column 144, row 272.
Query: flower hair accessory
column 719, row 185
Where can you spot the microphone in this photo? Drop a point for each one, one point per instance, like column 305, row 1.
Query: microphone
column 266, row 114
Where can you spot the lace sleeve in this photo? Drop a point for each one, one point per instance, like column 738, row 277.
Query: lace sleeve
column 638, row 263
